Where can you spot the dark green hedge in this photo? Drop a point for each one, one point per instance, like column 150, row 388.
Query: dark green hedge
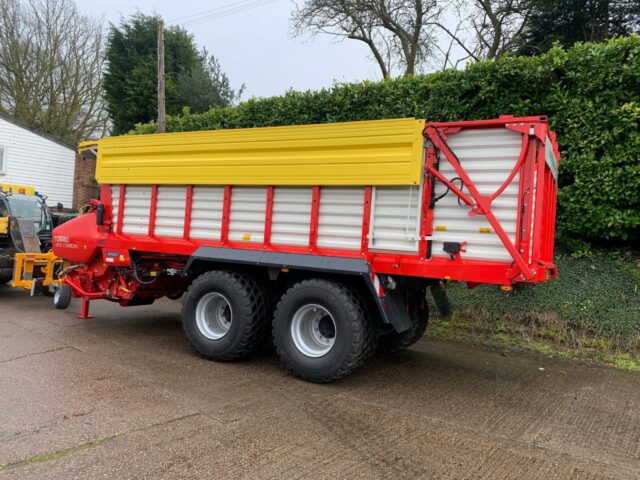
column 591, row 93
column 595, row 297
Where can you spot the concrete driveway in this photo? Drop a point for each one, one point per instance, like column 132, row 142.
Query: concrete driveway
column 122, row 396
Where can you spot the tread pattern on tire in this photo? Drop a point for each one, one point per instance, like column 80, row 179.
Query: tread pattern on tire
column 354, row 308
column 254, row 298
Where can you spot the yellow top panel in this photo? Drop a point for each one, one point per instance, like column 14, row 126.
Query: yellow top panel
column 381, row 152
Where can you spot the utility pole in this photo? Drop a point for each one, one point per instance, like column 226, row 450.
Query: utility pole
column 161, row 109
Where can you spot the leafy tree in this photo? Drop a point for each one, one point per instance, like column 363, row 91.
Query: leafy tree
column 192, row 79
column 51, row 62
column 569, row 21
column 205, row 86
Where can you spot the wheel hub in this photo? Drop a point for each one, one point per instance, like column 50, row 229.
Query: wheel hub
column 213, row 315
column 313, row 330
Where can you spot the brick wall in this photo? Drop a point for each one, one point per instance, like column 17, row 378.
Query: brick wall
column 85, row 186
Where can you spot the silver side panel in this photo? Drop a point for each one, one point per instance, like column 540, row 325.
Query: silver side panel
column 247, row 217
column 395, row 219
column 206, row 213
column 170, row 210
column 137, row 203
column 340, row 220
column 291, row 219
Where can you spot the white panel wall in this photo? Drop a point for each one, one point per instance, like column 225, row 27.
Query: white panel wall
column 137, row 203
column 115, row 203
column 340, row 221
column 31, row 159
column 170, row 210
column 395, row 219
column 248, row 209
column 488, row 156
column 206, row 212
column 291, row 219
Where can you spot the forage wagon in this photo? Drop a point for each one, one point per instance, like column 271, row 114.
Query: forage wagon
column 323, row 237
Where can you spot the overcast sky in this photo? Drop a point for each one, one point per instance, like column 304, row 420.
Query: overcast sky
column 254, row 46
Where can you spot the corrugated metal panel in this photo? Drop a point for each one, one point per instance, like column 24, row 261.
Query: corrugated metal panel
column 488, row 156
column 30, row 159
column 291, row 218
column 170, row 211
column 383, row 152
column 137, row 203
column 395, row 219
column 340, row 220
column 206, row 212
column 115, row 203
column 248, row 208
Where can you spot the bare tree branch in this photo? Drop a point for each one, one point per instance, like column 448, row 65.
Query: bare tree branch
column 51, row 64
column 487, row 29
column 399, row 33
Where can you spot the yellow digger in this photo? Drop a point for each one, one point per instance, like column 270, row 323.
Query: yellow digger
column 25, row 233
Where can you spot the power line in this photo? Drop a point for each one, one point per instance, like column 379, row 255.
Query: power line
column 207, row 12
column 230, row 9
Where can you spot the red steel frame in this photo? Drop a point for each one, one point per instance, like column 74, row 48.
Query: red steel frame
column 531, row 166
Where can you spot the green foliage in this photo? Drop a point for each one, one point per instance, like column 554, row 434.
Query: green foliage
column 590, row 92
column 566, row 22
column 192, row 79
column 206, row 85
column 594, row 303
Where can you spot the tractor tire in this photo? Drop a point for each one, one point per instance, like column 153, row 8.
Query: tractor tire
column 224, row 315
column 394, row 342
column 62, row 297
column 321, row 332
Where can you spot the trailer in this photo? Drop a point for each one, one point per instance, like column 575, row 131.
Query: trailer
column 323, row 237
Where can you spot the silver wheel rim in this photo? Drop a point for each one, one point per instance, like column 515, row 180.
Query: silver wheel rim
column 313, row 330
column 213, row 315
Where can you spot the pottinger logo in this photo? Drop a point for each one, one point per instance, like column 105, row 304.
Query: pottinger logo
column 60, row 239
